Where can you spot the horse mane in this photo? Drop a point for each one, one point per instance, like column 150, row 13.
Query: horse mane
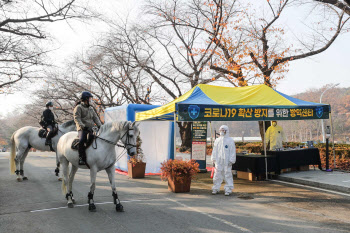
column 68, row 124
column 119, row 125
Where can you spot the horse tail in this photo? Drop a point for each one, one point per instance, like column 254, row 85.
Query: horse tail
column 64, row 187
column 13, row 154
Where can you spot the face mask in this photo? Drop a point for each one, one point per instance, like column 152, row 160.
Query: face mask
column 222, row 133
column 91, row 102
column 51, row 108
column 274, row 123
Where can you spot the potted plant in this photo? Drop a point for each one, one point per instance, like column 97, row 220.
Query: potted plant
column 179, row 174
column 136, row 164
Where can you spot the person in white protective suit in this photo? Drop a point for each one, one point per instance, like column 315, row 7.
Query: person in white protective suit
column 223, row 156
column 275, row 135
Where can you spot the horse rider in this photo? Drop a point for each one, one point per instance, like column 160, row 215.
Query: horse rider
column 85, row 118
column 48, row 122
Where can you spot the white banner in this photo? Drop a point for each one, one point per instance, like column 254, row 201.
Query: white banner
column 198, row 150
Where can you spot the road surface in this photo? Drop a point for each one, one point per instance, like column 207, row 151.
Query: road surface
column 37, row 205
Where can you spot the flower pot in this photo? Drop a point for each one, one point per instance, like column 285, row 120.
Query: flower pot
column 136, row 170
column 179, row 187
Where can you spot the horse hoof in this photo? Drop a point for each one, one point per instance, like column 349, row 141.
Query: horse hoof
column 119, row 208
column 19, row 179
column 25, row 178
column 70, row 205
column 92, row 208
column 60, row 179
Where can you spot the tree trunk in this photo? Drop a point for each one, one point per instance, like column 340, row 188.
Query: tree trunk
column 185, row 134
column 261, row 125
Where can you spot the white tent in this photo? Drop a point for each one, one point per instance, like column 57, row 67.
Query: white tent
column 157, row 141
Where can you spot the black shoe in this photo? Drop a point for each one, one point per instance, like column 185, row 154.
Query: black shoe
column 82, row 155
column 81, row 161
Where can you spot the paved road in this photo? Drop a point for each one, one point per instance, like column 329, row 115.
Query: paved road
column 37, row 205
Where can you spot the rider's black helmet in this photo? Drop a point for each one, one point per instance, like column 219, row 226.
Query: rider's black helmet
column 49, row 104
column 85, row 95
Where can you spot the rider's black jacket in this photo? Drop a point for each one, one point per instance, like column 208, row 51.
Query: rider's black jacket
column 48, row 118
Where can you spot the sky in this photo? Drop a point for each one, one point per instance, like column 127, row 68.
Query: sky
column 331, row 66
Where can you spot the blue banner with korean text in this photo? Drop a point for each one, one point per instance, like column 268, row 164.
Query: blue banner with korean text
column 191, row 112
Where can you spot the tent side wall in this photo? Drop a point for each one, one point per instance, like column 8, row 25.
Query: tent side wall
column 118, row 114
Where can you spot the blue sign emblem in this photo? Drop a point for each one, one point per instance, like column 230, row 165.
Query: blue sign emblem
column 319, row 112
column 193, row 111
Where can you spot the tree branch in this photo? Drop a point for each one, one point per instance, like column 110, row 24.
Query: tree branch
column 338, row 4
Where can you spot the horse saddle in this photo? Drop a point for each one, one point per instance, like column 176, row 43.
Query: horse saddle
column 43, row 132
column 87, row 144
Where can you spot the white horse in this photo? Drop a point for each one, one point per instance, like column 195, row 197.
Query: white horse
column 27, row 137
column 100, row 155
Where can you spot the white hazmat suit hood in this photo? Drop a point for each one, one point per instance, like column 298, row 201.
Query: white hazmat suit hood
column 223, row 156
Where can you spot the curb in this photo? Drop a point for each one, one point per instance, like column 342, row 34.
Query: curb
column 315, row 184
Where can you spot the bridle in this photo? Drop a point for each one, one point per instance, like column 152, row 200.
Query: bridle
column 127, row 144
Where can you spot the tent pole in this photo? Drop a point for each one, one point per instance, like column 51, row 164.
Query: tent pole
column 332, row 132
column 211, row 135
column 174, row 135
column 264, row 141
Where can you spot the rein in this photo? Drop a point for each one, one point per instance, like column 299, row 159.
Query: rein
column 110, row 142
column 116, row 143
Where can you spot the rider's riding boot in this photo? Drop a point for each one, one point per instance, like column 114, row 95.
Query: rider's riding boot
column 82, row 154
column 48, row 138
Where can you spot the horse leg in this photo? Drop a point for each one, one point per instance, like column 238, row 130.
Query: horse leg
column 65, row 181
column 18, row 158
column 93, row 173
column 70, row 183
column 111, row 173
column 57, row 170
column 21, row 170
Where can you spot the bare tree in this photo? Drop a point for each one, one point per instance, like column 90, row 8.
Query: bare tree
column 22, row 29
column 119, row 68
column 176, row 55
column 9, row 125
column 259, row 48
column 271, row 56
column 104, row 73
column 64, row 89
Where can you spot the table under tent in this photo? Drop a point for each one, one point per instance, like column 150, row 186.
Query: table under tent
column 251, row 103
